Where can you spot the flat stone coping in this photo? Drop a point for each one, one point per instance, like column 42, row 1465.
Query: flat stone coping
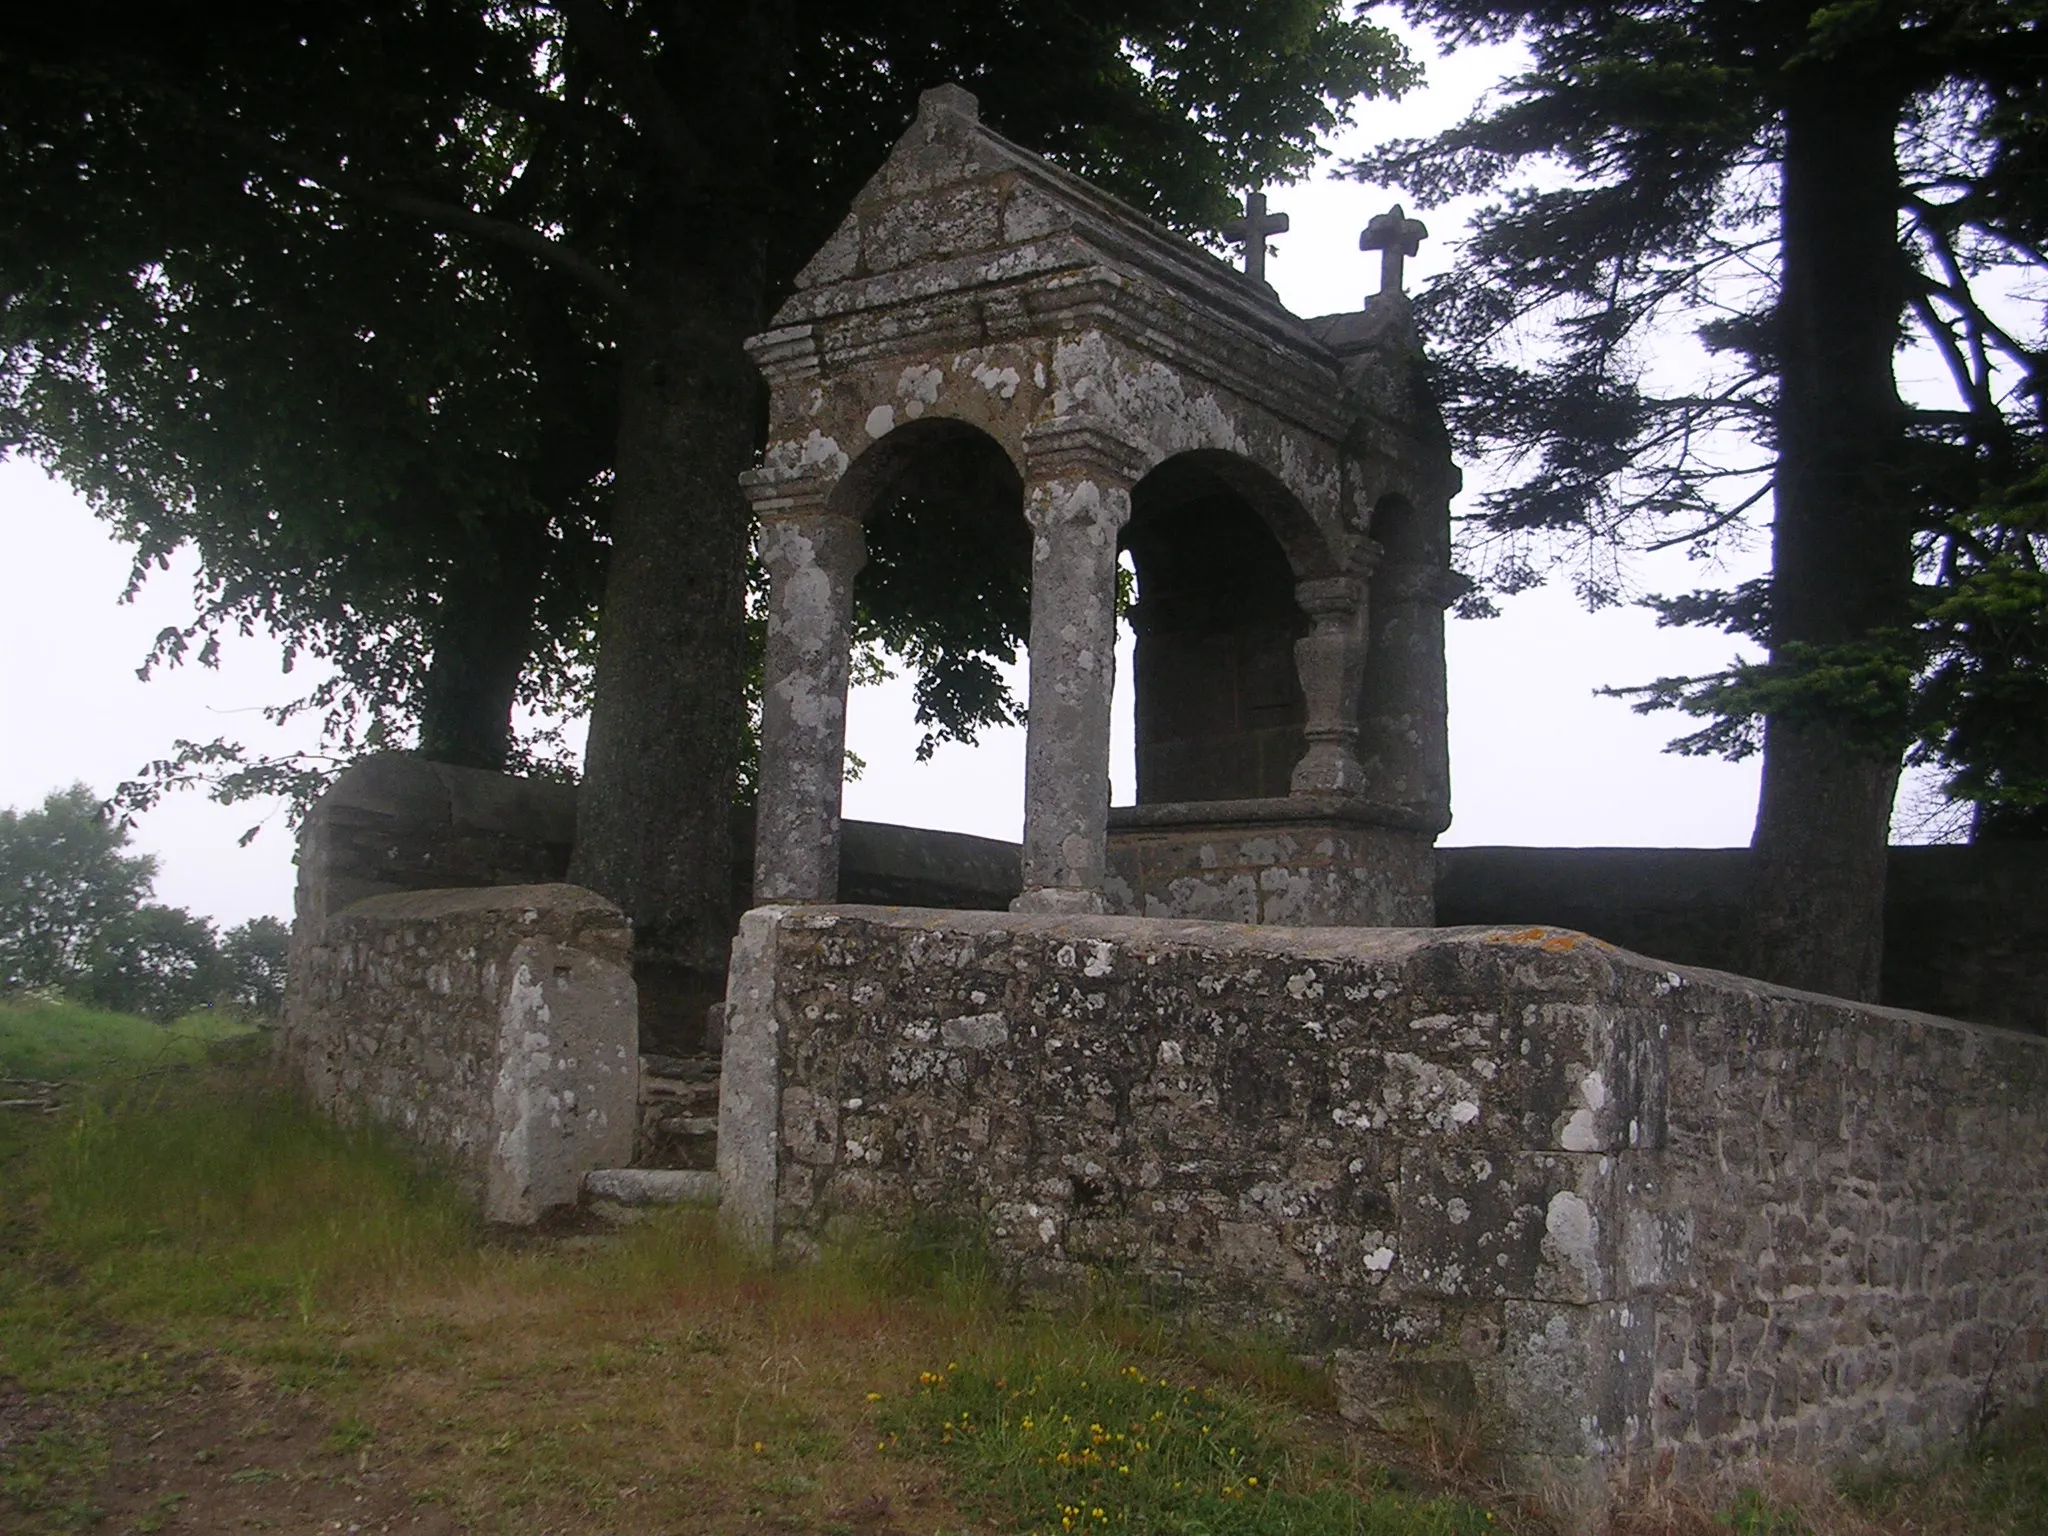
column 652, row 1186
column 1278, row 810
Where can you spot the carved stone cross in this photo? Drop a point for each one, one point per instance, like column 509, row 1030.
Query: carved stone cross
column 1395, row 236
column 1251, row 232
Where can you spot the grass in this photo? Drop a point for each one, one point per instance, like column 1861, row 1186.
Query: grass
column 1055, row 1441
column 50, row 1038
column 218, row 1307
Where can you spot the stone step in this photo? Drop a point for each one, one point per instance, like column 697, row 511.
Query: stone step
column 693, row 1098
column 636, row 1187
column 679, row 1068
column 678, row 1127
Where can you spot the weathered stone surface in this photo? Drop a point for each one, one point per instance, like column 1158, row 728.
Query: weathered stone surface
column 811, row 557
column 976, row 289
column 397, row 822
column 1657, row 1219
column 495, row 1028
column 1297, row 861
column 1965, row 927
column 651, row 1186
column 678, row 1112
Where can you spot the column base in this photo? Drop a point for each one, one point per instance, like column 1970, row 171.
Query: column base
column 1061, row 899
column 1298, row 861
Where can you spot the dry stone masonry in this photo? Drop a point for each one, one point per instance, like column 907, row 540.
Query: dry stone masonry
column 1649, row 1220
column 496, row 1028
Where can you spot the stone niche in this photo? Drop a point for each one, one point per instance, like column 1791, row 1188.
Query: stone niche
column 999, row 352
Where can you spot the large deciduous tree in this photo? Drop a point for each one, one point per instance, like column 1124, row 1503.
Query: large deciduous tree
column 1803, row 183
column 386, row 447
column 676, row 162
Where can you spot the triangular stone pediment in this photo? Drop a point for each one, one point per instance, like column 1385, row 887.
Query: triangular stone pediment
column 956, row 205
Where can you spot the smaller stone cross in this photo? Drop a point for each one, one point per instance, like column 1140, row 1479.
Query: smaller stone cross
column 1395, row 236
column 1251, row 231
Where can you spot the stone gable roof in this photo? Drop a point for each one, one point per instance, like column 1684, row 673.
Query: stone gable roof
column 957, row 206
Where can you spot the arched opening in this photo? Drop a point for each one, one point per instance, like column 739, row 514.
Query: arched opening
column 947, row 588
column 1219, row 708
column 1399, row 531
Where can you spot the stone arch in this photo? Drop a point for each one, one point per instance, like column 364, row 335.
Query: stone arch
column 920, row 458
column 1198, row 472
column 1219, row 704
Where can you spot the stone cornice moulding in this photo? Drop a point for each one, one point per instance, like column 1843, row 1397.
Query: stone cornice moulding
column 1071, row 447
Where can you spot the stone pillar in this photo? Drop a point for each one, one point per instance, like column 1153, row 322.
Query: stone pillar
column 1077, row 497
column 1404, row 734
column 812, row 556
column 1330, row 660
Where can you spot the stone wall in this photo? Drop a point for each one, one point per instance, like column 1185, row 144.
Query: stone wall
column 496, row 1029
column 1654, row 1219
column 1966, row 928
column 396, row 822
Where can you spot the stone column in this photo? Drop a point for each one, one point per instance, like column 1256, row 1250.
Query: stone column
column 812, row 556
column 1077, row 497
column 1330, row 660
column 1404, row 734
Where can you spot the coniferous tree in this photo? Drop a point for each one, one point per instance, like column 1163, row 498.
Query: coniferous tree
column 1801, row 183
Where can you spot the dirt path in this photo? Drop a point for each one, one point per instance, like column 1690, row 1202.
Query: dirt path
column 222, row 1452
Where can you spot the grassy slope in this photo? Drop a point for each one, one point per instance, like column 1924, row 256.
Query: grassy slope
column 190, row 1247
column 45, row 1039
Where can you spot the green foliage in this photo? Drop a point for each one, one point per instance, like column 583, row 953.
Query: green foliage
column 65, row 885
column 1982, row 699
column 156, row 961
column 337, row 298
column 1966, row 688
column 73, row 918
column 253, row 958
column 1753, row 1514
column 1656, row 132
column 1057, row 1440
column 224, row 1198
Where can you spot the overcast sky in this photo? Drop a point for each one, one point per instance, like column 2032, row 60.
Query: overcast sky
column 1537, row 757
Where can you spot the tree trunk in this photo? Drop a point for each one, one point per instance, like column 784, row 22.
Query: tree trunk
column 1841, row 552
column 482, row 636
column 654, row 823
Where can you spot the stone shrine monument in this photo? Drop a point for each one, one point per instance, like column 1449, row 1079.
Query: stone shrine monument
column 985, row 325
column 1623, row 1219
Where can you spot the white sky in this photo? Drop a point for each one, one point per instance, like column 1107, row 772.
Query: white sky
column 1536, row 757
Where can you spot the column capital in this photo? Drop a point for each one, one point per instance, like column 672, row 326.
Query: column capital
column 1427, row 586
column 1080, row 447
column 1330, row 598
column 773, row 493
column 1101, row 507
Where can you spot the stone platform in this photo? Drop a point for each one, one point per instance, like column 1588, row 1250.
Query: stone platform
column 1300, row 861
